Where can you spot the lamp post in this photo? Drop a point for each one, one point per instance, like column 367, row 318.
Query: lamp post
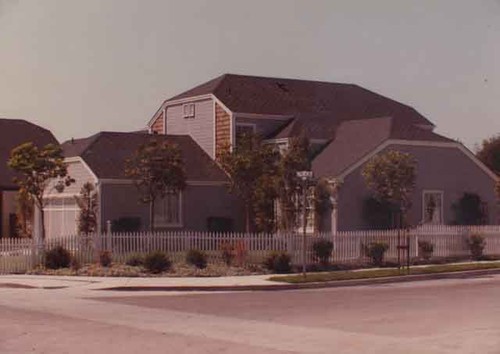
column 304, row 176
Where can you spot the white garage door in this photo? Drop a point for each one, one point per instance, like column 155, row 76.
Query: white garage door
column 61, row 217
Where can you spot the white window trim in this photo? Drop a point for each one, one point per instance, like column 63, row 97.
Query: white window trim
column 191, row 110
column 181, row 216
column 432, row 191
column 311, row 214
column 242, row 124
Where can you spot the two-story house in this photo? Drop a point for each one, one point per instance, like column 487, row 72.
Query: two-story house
column 348, row 124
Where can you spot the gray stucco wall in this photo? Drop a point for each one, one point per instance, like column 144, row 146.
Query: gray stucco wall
column 198, row 204
column 200, row 128
column 439, row 168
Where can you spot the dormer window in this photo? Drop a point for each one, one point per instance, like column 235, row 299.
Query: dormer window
column 188, row 110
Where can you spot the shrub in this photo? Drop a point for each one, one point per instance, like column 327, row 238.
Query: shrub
column 469, row 210
column 241, row 252
column 376, row 251
column 278, row 262
column 197, row 258
column 228, row 253
column 323, row 250
column 57, row 257
column 157, row 262
column 426, row 249
column 476, row 245
column 75, row 264
column 105, row 258
column 135, row 260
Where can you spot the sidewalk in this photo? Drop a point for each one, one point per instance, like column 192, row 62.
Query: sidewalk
column 115, row 285
column 137, row 283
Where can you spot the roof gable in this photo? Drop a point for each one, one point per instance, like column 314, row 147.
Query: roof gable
column 357, row 139
column 105, row 153
column 14, row 132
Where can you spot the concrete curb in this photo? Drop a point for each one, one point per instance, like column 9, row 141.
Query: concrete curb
column 319, row 285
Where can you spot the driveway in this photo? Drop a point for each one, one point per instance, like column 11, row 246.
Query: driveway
column 440, row 316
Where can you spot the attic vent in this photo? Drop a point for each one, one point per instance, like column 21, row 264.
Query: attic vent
column 282, row 87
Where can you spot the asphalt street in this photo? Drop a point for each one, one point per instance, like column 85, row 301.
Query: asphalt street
column 438, row 316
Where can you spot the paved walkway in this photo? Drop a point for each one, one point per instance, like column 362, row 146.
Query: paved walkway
column 98, row 283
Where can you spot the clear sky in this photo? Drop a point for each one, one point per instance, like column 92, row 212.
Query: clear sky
column 78, row 67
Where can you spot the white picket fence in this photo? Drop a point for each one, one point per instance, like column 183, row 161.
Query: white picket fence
column 20, row 255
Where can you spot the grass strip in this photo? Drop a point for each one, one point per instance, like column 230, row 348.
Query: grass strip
column 381, row 273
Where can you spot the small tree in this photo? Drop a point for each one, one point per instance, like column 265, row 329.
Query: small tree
column 469, row 210
column 489, row 153
column 377, row 213
column 391, row 176
column 296, row 158
column 39, row 168
column 322, row 202
column 87, row 202
column 24, row 213
column 251, row 167
column 156, row 168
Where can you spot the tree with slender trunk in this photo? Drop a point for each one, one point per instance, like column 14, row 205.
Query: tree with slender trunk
column 391, row 176
column 156, row 168
column 251, row 167
column 489, row 153
column 40, row 170
column 295, row 158
column 88, row 203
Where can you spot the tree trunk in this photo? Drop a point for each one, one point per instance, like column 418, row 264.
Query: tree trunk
column 152, row 215
column 247, row 218
column 42, row 221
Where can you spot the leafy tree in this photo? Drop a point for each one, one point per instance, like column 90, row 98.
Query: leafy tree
column 322, row 202
column 87, row 202
column 378, row 213
column 251, row 167
column 489, row 153
column 469, row 210
column 295, row 159
column 24, row 213
column 157, row 168
column 391, row 176
column 39, row 169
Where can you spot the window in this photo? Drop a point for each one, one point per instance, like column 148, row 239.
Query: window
column 243, row 129
column 297, row 201
column 310, row 212
column 168, row 211
column 432, row 207
column 188, row 110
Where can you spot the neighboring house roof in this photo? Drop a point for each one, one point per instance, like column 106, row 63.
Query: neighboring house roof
column 106, row 152
column 356, row 139
column 14, row 132
column 314, row 104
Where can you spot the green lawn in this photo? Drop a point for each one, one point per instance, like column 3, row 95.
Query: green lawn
column 381, row 273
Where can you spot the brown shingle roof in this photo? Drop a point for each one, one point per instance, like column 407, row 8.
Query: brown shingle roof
column 355, row 139
column 14, row 132
column 106, row 152
column 316, row 105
